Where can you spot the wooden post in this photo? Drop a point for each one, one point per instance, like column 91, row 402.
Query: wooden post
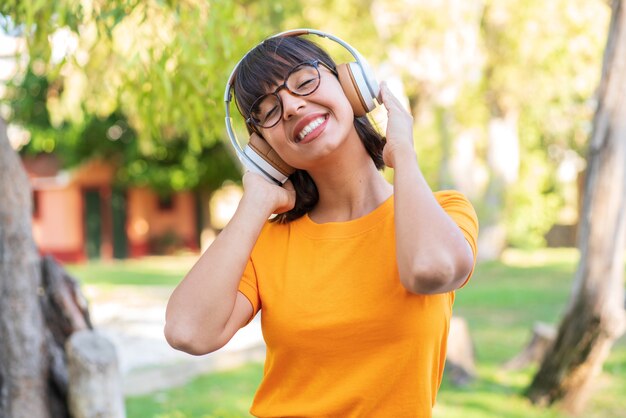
column 95, row 387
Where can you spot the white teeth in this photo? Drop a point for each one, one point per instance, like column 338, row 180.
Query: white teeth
column 309, row 128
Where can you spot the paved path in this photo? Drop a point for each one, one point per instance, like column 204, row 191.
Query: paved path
column 133, row 318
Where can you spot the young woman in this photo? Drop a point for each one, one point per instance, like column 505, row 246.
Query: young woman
column 355, row 277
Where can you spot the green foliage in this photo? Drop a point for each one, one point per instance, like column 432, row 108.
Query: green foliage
column 156, row 71
column 28, row 105
column 28, row 102
column 543, row 62
column 36, row 20
column 143, row 87
column 171, row 65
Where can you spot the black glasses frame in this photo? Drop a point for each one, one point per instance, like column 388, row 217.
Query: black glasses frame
column 313, row 63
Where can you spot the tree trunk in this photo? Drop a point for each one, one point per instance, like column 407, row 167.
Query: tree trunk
column 22, row 338
column 40, row 306
column 595, row 316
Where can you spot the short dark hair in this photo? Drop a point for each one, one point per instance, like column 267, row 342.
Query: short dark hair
column 259, row 70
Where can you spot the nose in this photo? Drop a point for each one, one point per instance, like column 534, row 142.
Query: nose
column 291, row 103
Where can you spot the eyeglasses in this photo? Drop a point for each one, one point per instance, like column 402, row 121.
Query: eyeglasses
column 302, row 80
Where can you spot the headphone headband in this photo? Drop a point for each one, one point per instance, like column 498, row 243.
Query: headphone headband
column 299, row 32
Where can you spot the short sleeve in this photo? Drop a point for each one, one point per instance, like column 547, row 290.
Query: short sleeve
column 248, row 286
column 459, row 208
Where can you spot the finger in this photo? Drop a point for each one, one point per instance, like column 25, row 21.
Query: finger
column 388, row 99
column 391, row 98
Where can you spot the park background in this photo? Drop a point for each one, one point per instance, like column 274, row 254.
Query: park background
column 116, row 110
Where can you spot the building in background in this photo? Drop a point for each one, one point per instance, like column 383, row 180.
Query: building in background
column 79, row 215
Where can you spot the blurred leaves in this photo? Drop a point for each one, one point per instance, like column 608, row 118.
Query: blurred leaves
column 156, row 70
column 158, row 67
column 475, row 61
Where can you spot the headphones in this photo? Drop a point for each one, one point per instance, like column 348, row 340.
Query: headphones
column 357, row 81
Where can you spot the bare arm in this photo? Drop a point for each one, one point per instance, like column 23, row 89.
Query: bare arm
column 206, row 309
column 432, row 253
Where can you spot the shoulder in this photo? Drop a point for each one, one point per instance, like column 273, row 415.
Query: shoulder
column 461, row 210
column 273, row 233
column 274, row 229
column 453, row 200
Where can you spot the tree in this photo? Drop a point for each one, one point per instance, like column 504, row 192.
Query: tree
column 595, row 316
column 22, row 388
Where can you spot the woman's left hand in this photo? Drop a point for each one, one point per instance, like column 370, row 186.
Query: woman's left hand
column 399, row 128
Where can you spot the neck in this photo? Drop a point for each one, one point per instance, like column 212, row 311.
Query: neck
column 349, row 185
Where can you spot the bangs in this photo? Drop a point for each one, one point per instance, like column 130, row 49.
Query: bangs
column 268, row 65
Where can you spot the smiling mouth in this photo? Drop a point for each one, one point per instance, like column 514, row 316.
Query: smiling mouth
column 310, row 127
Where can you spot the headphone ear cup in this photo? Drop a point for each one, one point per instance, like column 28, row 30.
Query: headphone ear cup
column 264, row 156
column 355, row 88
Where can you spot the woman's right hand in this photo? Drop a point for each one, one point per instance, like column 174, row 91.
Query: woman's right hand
column 267, row 195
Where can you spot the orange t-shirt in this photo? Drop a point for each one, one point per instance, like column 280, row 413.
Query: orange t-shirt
column 344, row 337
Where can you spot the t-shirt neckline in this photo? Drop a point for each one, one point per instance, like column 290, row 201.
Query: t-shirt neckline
column 346, row 228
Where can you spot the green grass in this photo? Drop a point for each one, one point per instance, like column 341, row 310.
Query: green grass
column 501, row 304
column 218, row 395
column 146, row 271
